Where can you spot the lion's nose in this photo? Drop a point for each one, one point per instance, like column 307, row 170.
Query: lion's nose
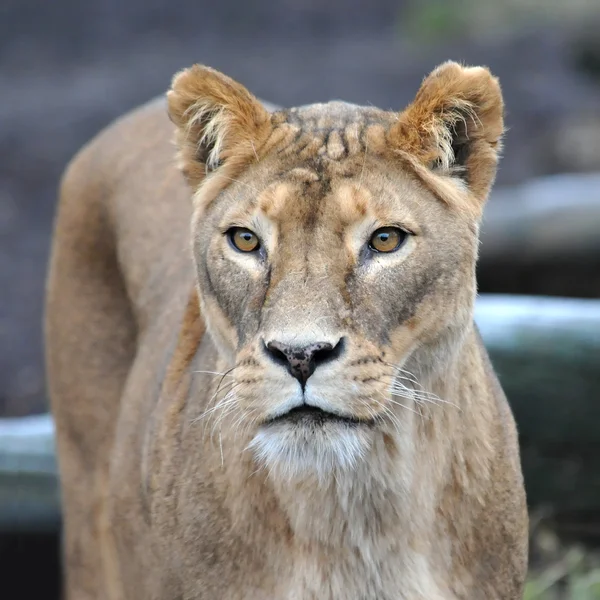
column 301, row 361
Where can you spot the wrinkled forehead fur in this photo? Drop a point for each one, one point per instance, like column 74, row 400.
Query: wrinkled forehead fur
column 317, row 175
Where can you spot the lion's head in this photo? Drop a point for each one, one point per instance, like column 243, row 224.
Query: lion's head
column 335, row 248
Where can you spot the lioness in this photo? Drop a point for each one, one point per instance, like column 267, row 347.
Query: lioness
column 300, row 406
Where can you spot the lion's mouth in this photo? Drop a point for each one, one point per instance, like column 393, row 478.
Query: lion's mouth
column 315, row 416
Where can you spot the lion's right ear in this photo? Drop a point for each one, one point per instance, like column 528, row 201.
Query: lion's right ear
column 218, row 121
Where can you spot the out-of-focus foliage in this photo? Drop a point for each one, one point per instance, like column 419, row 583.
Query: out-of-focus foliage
column 439, row 20
column 558, row 571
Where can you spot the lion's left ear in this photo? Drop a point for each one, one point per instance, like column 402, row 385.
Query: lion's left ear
column 455, row 125
column 218, row 121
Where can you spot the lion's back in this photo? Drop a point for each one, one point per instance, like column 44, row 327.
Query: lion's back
column 130, row 167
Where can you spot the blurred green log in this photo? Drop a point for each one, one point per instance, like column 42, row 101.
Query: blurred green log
column 546, row 352
column 548, row 218
column 29, row 498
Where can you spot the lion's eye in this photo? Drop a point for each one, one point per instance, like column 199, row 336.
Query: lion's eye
column 387, row 239
column 243, row 239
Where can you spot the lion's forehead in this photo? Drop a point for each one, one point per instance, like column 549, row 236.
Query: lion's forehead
column 333, row 115
column 323, row 163
column 305, row 197
column 334, row 131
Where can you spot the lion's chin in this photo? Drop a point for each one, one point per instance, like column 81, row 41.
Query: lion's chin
column 310, row 446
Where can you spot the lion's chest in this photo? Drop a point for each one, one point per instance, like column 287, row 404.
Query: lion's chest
column 357, row 574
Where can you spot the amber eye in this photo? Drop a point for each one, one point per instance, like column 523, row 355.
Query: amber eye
column 243, row 239
column 387, row 239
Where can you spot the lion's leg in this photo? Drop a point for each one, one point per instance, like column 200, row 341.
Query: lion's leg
column 90, row 337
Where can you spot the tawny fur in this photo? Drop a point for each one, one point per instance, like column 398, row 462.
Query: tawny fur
column 173, row 488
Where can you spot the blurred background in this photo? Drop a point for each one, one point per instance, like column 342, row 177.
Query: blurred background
column 68, row 68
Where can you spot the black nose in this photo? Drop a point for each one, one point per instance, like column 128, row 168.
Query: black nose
column 301, row 361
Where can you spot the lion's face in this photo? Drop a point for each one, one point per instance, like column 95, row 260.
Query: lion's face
column 333, row 269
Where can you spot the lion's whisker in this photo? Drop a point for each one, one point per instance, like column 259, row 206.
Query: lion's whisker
column 422, row 395
column 218, row 405
column 223, row 373
column 231, row 407
column 393, row 418
column 417, row 412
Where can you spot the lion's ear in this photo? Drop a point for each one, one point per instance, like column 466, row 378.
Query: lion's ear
column 217, row 119
column 455, row 125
